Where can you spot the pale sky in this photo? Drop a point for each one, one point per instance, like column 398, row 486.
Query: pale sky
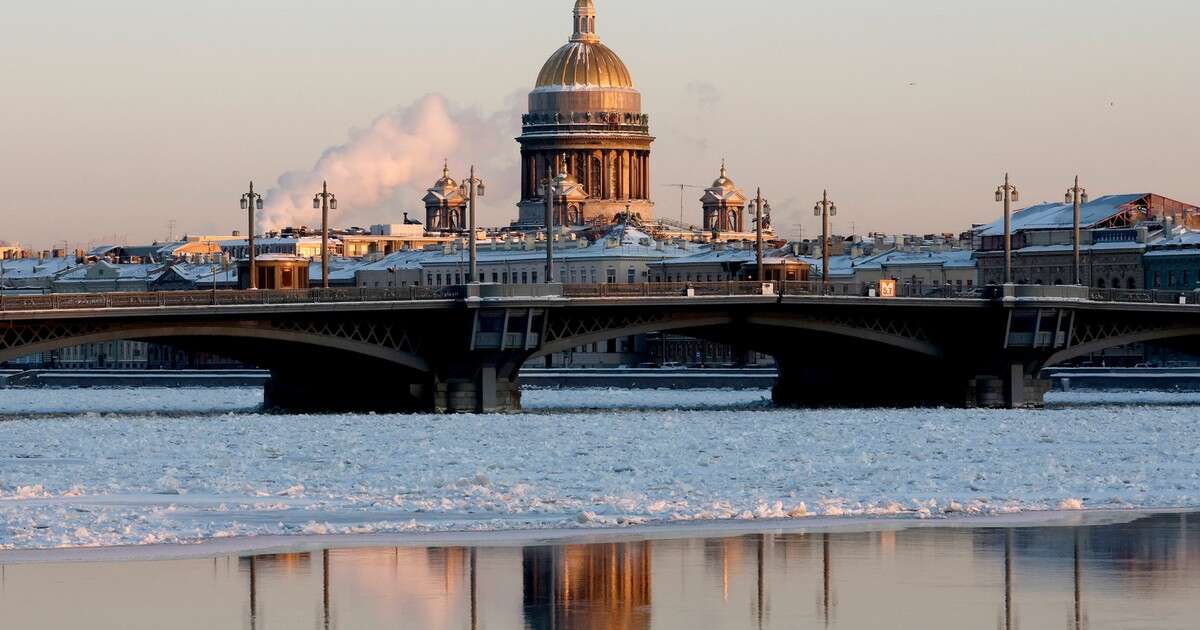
column 121, row 115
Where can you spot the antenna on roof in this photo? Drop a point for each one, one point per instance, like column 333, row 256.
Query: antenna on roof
column 682, row 191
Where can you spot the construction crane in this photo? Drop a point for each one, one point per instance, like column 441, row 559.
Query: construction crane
column 682, row 191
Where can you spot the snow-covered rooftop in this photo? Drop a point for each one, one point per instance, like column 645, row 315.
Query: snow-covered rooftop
column 1051, row 216
column 952, row 259
column 1185, row 243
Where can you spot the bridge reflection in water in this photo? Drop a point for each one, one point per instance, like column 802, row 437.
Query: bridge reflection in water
column 1140, row 574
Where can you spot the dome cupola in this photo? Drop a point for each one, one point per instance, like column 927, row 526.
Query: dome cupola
column 584, row 62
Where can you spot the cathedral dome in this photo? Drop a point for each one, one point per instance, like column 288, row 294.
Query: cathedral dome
column 585, row 64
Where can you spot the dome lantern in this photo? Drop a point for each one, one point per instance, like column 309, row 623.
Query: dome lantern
column 585, row 22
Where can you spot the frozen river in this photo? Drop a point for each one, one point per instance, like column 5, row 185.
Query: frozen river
column 146, row 466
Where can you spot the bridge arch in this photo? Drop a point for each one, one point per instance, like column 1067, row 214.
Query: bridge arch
column 573, row 330
column 589, row 334
column 1106, row 343
column 17, row 343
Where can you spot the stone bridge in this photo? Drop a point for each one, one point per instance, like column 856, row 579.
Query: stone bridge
column 460, row 349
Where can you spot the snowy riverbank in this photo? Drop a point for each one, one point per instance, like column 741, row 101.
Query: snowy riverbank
column 205, row 469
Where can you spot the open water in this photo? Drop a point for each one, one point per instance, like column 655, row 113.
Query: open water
column 1130, row 574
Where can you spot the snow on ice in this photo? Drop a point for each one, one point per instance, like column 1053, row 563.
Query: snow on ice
column 178, row 466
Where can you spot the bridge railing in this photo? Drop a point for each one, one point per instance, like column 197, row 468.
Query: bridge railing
column 664, row 289
column 861, row 289
column 83, row 301
column 742, row 288
column 1145, row 296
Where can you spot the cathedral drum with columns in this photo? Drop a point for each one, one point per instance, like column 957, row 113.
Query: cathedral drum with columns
column 586, row 117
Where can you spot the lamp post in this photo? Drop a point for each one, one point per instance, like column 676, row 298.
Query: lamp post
column 554, row 186
column 325, row 201
column 252, row 201
column 549, row 223
column 825, row 209
column 1007, row 194
column 471, row 188
column 1077, row 196
column 760, row 206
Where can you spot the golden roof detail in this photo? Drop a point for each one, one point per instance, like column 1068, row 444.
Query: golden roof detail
column 585, row 64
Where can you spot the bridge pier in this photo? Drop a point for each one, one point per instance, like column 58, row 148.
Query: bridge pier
column 476, row 389
column 1015, row 385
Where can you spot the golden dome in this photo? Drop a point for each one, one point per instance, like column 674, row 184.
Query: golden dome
column 446, row 182
column 584, row 61
column 585, row 64
column 723, row 181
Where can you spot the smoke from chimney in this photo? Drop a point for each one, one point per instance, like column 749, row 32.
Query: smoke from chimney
column 384, row 169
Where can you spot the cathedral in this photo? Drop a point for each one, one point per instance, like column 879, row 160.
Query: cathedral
column 585, row 118
column 585, row 132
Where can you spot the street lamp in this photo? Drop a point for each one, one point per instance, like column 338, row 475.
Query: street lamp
column 1077, row 196
column 1007, row 194
column 325, row 201
column 553, row 185
column 825, row 209
column 760, row 206
column 471, row 188
column 252, row 201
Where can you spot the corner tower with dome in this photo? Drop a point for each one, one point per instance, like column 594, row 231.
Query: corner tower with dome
column 585, row 116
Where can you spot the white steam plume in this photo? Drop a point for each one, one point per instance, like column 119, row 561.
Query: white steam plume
column 383, row 170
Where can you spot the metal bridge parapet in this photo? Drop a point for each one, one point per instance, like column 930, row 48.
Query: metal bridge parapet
column 91, row 301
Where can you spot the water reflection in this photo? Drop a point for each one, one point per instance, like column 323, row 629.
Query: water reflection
column 587, row 586
column 1140, row 574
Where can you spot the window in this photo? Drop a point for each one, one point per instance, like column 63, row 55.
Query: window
column 1157, row 280
column 1132, row 284
column 632, row 276
column 429, row 279
column 524, row 277
column 495, row 278
column 612, row 276
column 534, row 276
column 1171, row 279
column 504, row 278
column 1184, row 282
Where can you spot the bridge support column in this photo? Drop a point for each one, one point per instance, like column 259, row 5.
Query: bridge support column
column 1015, row 385
column 474, row 386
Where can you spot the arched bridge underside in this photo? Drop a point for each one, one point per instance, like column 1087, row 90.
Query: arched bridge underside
column 465, row 355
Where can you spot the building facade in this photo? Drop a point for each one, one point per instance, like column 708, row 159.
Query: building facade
column 1115, row 233
column 1173, row 264
column 1109, row 259
column 585, row 117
